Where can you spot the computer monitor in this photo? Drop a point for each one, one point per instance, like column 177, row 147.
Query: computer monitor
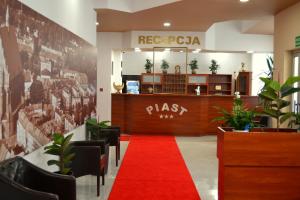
column 132, row 87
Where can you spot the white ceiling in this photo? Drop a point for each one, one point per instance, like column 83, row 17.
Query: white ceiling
column 130, row 6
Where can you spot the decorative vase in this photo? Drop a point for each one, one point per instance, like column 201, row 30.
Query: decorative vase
column 150, row 90
column 213, row 72
column 119, row 88
column 148, row 71
column 164, row 71
column 194, row 71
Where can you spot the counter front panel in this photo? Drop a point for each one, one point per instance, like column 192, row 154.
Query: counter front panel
column 170, row 114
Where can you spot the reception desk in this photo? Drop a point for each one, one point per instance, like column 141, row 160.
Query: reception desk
column 186, row 115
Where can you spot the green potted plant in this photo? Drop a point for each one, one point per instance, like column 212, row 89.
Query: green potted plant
column 273, row 98
column 61, row 147
column 240, row 118
column 193, row 65
column 214, row 66
column 148, row 66
column 164, row 66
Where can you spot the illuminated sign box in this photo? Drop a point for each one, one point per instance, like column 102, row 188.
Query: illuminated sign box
column 297, row 40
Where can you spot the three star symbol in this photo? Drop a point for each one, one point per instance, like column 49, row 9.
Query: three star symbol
column 166, row 116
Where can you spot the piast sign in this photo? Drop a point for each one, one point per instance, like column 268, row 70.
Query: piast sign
column 166, row 111
column 168, row 40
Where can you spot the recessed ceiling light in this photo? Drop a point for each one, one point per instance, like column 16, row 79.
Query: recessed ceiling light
column 244, row 1
column 250, row 51
column 167, row 49
column 181, row 51
column 137, row 49
column 167, row 24
column 97, row 23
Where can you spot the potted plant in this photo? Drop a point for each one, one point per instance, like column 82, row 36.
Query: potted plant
column 273, row 98
column 193, row 65
column 240, row 118
column 164, row 66
column 61, row 147
column 148, row 66
column 214, row 66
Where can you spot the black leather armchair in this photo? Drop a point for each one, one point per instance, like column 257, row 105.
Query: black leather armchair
column 95, row 132
column 21, row 180
column 89, row 159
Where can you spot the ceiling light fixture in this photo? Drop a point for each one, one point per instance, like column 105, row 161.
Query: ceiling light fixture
column 250, row 51
column 167, row 24
column 196, row 51
column 167, row 49
column 97, row 23
column 137, row 49
column 244, row 1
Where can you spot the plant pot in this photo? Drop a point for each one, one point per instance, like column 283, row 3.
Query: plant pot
column 164, row 71
column 148, row 71
column 214, row 72
column 194, row 71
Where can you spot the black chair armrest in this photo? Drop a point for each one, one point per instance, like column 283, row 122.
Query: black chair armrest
column 49, row 182
column 100, row 142
column 15, row 191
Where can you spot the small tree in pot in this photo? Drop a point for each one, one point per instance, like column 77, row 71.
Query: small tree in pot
column 148, row 66
column 164, row 66
column 194, row 65
column 214, row 67
column 61, row 147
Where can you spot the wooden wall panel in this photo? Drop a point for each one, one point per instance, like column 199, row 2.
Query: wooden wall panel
column 259, row 165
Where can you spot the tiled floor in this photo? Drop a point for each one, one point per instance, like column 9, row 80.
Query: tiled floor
column 199, row 154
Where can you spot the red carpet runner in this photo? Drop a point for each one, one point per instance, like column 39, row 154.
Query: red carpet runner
column 153, row 169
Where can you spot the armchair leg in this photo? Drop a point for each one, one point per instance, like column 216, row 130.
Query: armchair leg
column 117, row 157
column 103, row 178
column 98, row 185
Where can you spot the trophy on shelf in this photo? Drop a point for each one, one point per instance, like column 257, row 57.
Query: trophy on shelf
column 119, row 87
column 177, row 69
column 198, row 91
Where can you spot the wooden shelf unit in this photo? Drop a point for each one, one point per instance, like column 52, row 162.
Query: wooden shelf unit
column 195, row 80
column 174, row 83
column 244, row 81
column 220, row 84
column 187, row 83
column 149, row 80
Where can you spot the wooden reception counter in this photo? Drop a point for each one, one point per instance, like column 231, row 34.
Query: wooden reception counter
column 171, row 114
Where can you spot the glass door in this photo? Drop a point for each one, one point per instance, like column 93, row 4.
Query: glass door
column 296, row 96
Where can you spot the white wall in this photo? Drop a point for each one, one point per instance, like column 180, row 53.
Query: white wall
column 116, row 76
column 260, row 69
column 228, row 36
column 77, row 16
column 133, row 62
column 106, row 43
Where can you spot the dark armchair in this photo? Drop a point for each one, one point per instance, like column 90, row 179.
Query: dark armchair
column 21, row 180
column 91, row 158
column 95, row 132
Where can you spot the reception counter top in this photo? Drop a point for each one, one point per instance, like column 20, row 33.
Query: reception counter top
column 170, row 114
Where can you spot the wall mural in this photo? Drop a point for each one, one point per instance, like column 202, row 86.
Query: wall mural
column 47, row 79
